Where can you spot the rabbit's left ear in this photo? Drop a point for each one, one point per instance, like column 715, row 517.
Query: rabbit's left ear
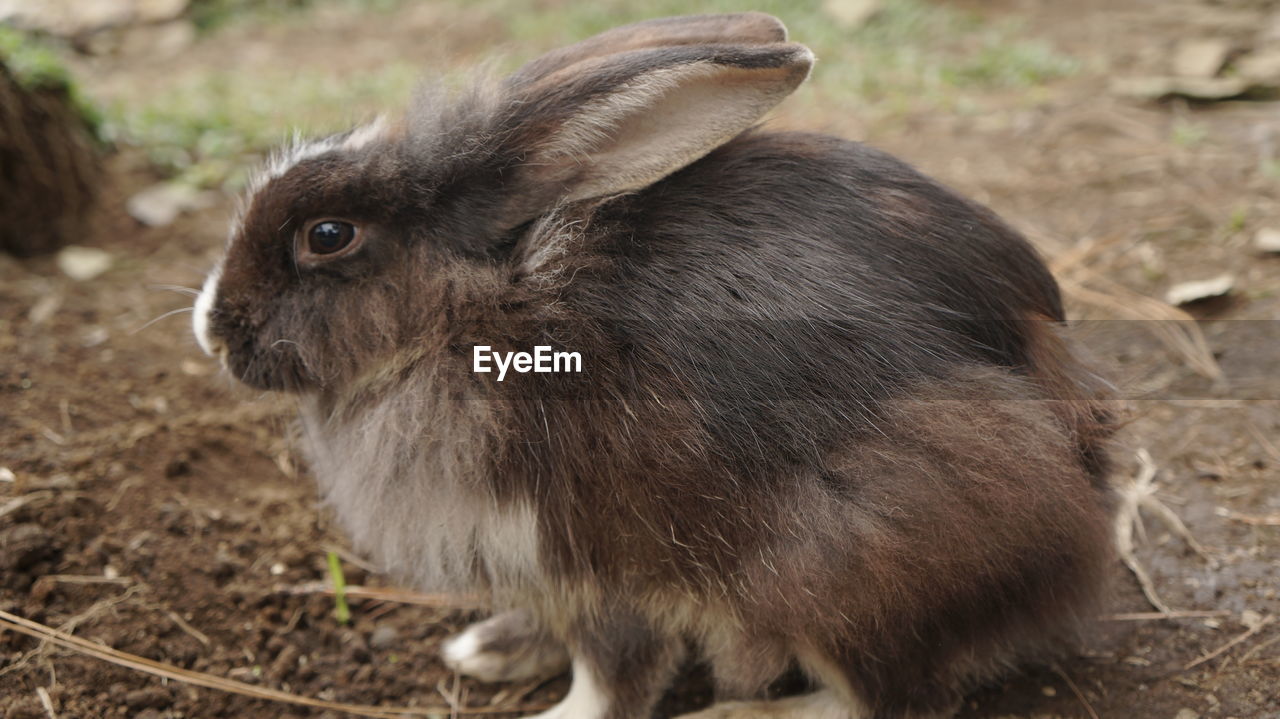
column 621, row 122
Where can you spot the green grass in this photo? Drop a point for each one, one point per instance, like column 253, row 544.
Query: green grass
column 910, row 53
column 1269, row 167
column 203, row 132
column 210, row 15
column 34, row 65
column 913, row 56
column 37, row 67
column 341, row 610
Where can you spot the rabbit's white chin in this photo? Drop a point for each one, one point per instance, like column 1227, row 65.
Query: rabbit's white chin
column 211, row 345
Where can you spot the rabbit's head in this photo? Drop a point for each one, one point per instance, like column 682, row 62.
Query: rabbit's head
column 357, row 249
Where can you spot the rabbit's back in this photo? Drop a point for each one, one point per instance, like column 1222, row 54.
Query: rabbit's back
column 808, row 227
column 791, row 284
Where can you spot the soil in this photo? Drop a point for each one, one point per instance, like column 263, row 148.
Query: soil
column 158, row 509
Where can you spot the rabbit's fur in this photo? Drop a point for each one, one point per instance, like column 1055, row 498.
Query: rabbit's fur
column 826, row 420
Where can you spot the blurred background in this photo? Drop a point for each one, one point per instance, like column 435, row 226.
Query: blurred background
column 148, row 504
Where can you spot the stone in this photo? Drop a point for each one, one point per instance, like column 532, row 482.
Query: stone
column 1156, row 87
column 383, row 637
column 1267, row 239
column 66, row 18
column 1261, row 68
column 73, row 18
column 83, row 263
column 851, row 14
column 1184, row 293
column 162, row 203
column 1200, row 57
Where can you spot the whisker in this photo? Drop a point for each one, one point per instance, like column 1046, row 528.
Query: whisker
column 193, row 292
column 170, row 313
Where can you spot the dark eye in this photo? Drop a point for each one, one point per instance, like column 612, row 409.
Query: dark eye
column 329, row 236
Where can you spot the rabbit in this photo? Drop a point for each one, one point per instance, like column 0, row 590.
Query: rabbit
column 827, row 424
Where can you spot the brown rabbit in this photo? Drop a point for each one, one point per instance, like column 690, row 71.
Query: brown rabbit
column 824, row 420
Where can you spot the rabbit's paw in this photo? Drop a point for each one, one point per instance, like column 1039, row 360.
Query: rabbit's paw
column 586, row 698
column 504, row 648
column 819, row 705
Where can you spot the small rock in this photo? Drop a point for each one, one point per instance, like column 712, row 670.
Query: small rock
column 383, row 637
column 1197, row 88
column 83, row 263
column 1049, row 691
column 1267, row 239
column 1261, row 68
column 1200, row 57
column 7, row 475
column 149, row 698
column 160, row 204
column 95, row 336
column 1186, row 713
column 1187, row 292
column 194, row 368
column 44, row 308
column 851, row 14
column 67, row 18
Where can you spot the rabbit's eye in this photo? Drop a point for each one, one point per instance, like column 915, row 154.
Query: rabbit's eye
column 329, row 236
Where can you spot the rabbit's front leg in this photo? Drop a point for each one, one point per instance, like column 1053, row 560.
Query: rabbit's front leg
column 621, row 667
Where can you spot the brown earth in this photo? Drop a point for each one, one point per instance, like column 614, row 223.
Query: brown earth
column 158, row 509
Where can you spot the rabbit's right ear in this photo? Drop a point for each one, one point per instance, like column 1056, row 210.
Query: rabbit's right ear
column 747, row 28
column 621, row 122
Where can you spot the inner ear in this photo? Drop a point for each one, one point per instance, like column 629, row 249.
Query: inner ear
column 621, row 123
column 692, row 110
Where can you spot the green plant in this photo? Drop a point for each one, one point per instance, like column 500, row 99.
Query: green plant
column 204, row 131
column 1236, row 222
column 36, row 67
column 341, row 611
column 912, row 56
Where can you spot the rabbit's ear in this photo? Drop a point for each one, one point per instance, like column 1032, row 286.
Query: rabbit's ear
column 748, row 28
column 622, row 122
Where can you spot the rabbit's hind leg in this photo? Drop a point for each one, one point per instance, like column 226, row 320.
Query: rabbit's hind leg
column 510, row 646
column 822, row 704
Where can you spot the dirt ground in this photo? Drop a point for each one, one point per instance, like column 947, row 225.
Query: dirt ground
column 156, row 508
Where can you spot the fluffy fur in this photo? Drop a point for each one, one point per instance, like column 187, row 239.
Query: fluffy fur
column 827, row 421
